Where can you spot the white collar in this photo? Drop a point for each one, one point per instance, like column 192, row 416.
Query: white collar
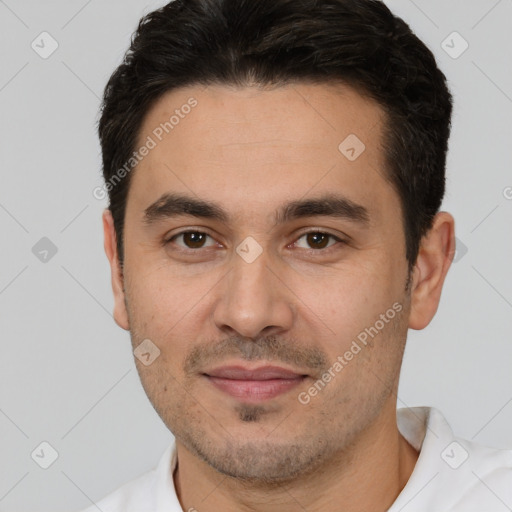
column 433, row 484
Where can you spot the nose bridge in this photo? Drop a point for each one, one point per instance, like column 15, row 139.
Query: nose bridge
column 250, row 279
column 252, row 298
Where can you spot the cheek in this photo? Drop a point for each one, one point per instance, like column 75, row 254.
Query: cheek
column 167, row 309
column 345, row 301
column 156, row 293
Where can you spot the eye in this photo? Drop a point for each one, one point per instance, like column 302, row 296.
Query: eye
column 191, row 239
column 318, row 240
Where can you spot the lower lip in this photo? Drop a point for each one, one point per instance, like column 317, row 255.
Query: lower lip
column 255, row 390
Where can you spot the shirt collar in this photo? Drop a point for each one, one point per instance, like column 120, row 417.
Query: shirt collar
column 423, row 427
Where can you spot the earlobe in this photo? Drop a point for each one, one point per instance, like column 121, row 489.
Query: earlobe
column 437, row 249
column 110, row 245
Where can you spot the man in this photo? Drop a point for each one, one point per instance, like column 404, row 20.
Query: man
column 275, row 171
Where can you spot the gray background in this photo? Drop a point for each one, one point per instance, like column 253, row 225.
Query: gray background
column 67, row 371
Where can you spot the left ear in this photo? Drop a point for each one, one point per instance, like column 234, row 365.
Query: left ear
column 436, row 252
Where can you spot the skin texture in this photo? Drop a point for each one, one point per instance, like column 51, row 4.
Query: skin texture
column 300, row 304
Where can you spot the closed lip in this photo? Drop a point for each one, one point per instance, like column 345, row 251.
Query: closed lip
column 261, row 373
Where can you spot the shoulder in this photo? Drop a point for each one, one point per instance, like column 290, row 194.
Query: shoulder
column 482, row 474
column 136, row 495
column 452, row 474
column 151, row 492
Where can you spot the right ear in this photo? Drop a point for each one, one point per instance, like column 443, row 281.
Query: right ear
column 110, row 244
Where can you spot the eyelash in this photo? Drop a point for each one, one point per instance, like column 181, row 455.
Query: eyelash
column 317, row 231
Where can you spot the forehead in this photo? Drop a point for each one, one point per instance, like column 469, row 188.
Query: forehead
column 263, row 144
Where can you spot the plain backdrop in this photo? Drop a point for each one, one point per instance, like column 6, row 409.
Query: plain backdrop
column 67, row 375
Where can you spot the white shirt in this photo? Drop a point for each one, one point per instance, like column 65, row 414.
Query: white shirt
column 451, row 474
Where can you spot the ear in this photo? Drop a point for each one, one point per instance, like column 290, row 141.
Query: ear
column 110, row 238
column 437, row 249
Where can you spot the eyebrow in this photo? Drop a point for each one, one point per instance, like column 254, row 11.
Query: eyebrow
column 171, row 205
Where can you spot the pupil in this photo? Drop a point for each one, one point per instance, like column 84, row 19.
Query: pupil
column 314, row 238
column 194, row 239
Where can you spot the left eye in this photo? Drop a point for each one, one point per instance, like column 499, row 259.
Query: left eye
column 318, row 240
column 192, row 239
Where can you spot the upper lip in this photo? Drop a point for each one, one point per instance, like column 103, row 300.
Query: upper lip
column 261, row 373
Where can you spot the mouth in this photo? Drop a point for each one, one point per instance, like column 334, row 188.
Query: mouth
column 254, row 385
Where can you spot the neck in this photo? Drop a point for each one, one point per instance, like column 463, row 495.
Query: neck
column 368, row 475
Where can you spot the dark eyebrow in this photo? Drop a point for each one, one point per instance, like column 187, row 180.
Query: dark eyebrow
column 173, row 205
column 330, row 205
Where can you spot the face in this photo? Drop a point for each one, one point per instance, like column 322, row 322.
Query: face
column 274, row 284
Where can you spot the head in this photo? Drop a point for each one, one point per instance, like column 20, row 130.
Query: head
column 275, row 171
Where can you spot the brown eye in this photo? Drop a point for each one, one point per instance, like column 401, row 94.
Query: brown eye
column 194, row 240
column 318, row 240
column 191, row 239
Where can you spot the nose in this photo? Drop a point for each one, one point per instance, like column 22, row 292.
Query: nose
column 253, row 300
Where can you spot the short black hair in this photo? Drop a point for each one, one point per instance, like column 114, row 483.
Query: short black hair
column 275, row 42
